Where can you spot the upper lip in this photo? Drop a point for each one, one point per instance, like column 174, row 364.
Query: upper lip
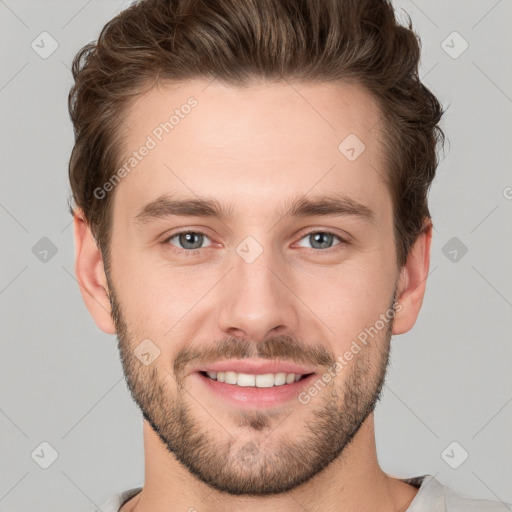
column 255, row 367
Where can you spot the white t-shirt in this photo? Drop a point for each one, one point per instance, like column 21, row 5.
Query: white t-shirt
column 431, row 497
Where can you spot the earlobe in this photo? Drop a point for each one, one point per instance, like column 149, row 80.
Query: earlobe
column 412, row 282
column 90, row 274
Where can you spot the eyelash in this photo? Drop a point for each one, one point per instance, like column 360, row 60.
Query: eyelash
column 194, row 252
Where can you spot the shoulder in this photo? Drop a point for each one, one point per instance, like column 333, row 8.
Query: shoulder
column 433, row 496
column 457, row 503
column 114, row 503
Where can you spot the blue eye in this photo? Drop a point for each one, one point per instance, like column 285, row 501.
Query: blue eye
column 321, row 239
column 188, row 240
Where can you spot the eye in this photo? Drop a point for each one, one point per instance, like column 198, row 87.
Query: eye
column 187, row 240
column 321, row 240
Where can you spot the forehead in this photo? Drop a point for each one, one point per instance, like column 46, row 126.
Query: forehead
column 256, row 143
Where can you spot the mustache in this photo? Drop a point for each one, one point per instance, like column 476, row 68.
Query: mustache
column 274, row 348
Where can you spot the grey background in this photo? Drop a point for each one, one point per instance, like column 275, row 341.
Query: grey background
column 61, row 381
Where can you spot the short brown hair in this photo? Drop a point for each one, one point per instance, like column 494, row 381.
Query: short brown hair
column 240, row 42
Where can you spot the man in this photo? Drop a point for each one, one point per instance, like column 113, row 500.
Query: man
column 251, row 219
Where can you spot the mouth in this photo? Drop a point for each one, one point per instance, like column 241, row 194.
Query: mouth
column 246, row 390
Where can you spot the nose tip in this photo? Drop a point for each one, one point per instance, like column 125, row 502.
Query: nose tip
column 255, row 303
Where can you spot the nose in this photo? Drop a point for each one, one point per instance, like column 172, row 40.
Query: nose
column 257, row 299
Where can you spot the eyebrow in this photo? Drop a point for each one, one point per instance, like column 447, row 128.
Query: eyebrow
column 323, row 206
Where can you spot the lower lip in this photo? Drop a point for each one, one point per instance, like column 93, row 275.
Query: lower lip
column 251, row 397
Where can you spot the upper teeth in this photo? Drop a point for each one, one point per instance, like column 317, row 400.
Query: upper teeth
column 266, row 380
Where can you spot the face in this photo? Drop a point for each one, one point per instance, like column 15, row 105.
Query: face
column 283, row 263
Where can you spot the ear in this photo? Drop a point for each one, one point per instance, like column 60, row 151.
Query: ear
column 90, row 274
column 412, row 282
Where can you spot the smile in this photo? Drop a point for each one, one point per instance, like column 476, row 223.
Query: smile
column 266, row 380
column 251, row 390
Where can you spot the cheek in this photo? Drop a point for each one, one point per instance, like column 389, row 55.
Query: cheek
column 160, row 301
column 347, row 299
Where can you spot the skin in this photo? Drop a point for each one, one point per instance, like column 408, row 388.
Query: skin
column 255, row 149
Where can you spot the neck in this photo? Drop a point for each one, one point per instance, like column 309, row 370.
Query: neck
column 354, row 481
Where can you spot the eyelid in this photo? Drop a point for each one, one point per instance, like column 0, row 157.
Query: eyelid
column 343, row 236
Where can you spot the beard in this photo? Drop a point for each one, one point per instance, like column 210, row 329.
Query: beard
column 255, row 459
